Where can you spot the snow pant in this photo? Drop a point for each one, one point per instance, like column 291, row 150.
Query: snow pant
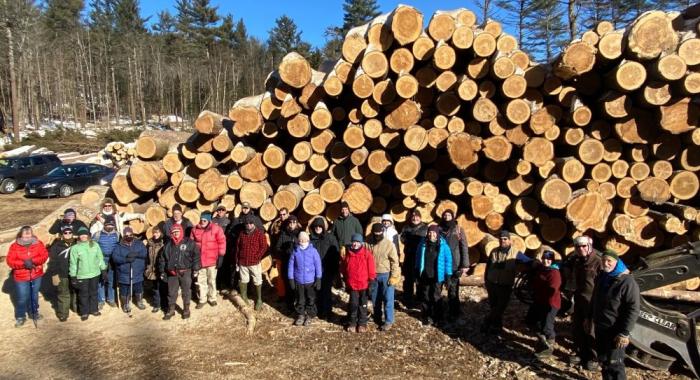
column 611, row 358
column 357, row 307
column 225, row 274
column 430, row 293
column 87, row 295
column 159, row 292
column 382, row 300
column 409, row 278
column 27, row 298
column 181, row 280
column 207, row 284
column 499, row 296
column 137, row 288
column 106, row 290
column 455, row 308
column 583, row 340
column 63, row 298
column 541, row 318
column 325, row 295
column 305, row 300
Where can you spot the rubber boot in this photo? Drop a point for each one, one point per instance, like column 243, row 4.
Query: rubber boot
column 139, row 301
column 125, row 304
column 186, row 312
column 258, row 302
column 243, row 290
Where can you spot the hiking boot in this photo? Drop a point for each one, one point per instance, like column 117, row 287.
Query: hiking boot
column 199, row 305
column 307, row 321
column 186, row 312
column 299, row 321
column 155, row 309
column 38, row 317
column 62, row 319
column 591, row 365
column 169, row 314
column 350, row 328
column 212, row 303
column 84, row 317
column 574, row 359
column 385, row 327
column 20, row 322
column 361, row 329
column 545, row 353
column 111, row 303
column 224, row 292
column 100, row 305
column 428, row 322
column 139, row 302
column 125, row 304
column 96, row 314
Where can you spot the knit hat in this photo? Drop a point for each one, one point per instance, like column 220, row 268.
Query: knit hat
column 548, row 255
column 611, row 253
column 377, row 228
column 107, row 201
column 303, row 235
column 177, row 207
column 415, row 212
column 206, row 215
column 448, row 211
column 317, row 222
column 387, row 217
column 504, row 234
column 583, row 240
column 357, row 237
column 128, row 230
column 434, row 228
column 292, row 218
column 109, row 220
column 344, row 204
column 83, row 231
column 69, row 211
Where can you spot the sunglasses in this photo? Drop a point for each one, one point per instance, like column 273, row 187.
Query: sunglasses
column 505, row 239
column 68, row 233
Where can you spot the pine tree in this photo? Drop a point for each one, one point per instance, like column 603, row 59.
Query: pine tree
column 127, row 17
column 547, row 31
column 284, row 38
column 515, row 13
column 197, row 21
column 62, row 18
column 356, row 13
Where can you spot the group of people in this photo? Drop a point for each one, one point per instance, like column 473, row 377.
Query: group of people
column 91, row 265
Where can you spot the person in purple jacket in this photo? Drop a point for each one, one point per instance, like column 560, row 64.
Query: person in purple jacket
column 304, row 273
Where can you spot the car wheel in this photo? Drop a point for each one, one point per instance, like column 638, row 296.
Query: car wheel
column 65, row 191
column 8, row 186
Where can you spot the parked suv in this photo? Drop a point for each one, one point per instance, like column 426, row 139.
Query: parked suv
column 16, row 171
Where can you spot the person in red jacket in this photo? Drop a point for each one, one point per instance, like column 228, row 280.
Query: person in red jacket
column 358, row 271
column 26, row 257
column 546, row 282
column 211, row 240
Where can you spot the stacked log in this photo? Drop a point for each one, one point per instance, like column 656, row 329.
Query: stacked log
column 458, row 117
column 119, row 153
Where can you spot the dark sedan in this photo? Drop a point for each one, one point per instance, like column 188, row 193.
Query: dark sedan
column 69, row 179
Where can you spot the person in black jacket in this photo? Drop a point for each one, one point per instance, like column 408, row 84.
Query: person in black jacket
column 59, row 261
column 180, row 262
column 177, row 219
column 614, row 312
column 327, row 247
column 68, row 220
column 280, row 257
column 411, row 235
column 457, row 241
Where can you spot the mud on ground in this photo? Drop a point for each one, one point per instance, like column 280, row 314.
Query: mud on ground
column 213, row 344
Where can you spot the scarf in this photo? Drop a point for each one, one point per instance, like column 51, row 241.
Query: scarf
column 608, row 278
column 26, row 242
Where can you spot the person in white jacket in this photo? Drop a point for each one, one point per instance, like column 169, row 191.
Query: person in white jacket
column 390, row 232
column 120, row 218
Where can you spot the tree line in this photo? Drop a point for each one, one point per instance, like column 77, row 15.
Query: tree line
column 102, row 61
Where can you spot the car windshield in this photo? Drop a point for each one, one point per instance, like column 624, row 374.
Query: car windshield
column 64, row 171
column 5, row 163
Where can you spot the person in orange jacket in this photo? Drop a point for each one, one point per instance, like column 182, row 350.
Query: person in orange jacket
column 26, row 257
column 358, row 271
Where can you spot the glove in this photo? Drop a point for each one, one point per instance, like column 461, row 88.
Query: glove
column 238, row 268
column 105, row 277
column 393, row 281
column 55, row 280
column 131, row 257
column 163, row 277
column 622, row 341
column 317, row 284
column 28, row 264
column 219, row 262
column 195, row 274
column 74, row 282
column 292, row 285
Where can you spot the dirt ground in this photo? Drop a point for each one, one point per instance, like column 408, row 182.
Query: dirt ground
column 16, row 210
column 213, row 344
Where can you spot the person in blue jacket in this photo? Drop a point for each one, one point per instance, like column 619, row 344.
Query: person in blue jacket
column 433, row 268
column 107, row 239
column 304, row 273
column 130, row 261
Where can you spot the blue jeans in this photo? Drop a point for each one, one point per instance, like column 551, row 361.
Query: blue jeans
column 26, row 291
column 383, row 299
column 111, row 273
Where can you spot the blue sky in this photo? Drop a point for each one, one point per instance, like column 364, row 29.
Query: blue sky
column 312, row 17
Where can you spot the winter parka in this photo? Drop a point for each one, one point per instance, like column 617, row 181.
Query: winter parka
column 211, row 242
column 304, row 265
column 343, row 228
column 130, row 272
column 86, row 260
column 180, row 256
column 16, row 255
column 358, row 268
column 444, row 260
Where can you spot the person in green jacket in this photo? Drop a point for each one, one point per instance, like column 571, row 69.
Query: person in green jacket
column 346, row 225
column 86, row 267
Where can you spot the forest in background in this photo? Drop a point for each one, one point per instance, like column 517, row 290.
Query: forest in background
column 100, row 60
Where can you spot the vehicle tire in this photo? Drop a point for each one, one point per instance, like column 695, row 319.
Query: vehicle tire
column 8, row 186
column 65, row 191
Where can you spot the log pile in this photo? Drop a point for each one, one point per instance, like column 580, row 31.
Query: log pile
column 603, row 141
column 119, row 153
